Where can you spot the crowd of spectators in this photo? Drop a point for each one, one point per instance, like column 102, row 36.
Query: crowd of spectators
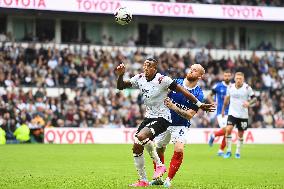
column 93, row 101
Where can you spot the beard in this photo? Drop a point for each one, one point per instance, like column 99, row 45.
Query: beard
column 227, row 81
column 191, row 78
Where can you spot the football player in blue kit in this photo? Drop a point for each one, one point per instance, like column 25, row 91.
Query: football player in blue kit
column 220, row 90
column 182, row 111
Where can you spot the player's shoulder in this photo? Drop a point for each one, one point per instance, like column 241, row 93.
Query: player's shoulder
column 139, row 75
column 217, row 85
column 231, row 85
column 179, row 80
column 247, row 86
column 198, row 92
column 198, row 88
column 163, row 80
column 160, row 77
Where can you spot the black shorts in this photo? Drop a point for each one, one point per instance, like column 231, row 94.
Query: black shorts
column 241, row 124
column 159, row 125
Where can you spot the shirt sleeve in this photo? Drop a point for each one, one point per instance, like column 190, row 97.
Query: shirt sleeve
column 166, row 81
column 134, row 80
column 200, row 97
column 214, row 88
column 250, row 91
column 228, row 93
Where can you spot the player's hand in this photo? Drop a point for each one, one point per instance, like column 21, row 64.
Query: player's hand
column 246, row 104
column 120, row 69
column 208, row 107
column 223, row 114
column 169, row 103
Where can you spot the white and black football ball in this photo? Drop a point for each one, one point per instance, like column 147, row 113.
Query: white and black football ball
column 123, row 16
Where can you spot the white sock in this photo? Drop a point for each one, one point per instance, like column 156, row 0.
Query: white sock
column 239, row 145
column 150, row 147
column 140, row 166
column 168, row 179
column 229, row 143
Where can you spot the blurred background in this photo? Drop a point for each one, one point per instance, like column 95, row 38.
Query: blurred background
column 57, row 59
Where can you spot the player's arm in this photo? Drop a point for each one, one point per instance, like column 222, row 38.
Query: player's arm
column 210, row 97
column 192, row 98
column 187, row 114
column 121, row 84
column 226, row 103
column 251, row 102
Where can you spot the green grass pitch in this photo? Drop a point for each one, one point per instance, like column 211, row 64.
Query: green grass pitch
column 111, row 166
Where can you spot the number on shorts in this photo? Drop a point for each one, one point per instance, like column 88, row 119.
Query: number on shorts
column 181, row 132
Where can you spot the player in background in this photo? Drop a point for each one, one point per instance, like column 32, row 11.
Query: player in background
column 240, row 96
column 182, row 111
column 154, row 88
column 220, row 90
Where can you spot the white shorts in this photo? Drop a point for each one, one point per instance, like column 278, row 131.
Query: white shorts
column 222, row 121
column 174, row 134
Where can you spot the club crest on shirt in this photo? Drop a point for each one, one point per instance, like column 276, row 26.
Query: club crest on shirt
column 160, row 79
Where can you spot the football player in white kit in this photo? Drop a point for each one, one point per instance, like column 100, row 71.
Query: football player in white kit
column 154, row 88
column 240, row 96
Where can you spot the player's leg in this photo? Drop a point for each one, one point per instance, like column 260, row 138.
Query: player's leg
column 151, row 130
column 150, row 147
column 159, row 181
column 161, row 154
column 175, row 163
column 228, row 136
column 242, row 126
column 141, row 138
column 161, row 141
column 230, row 125
column 139, row 162
column 222, row 122
column 222, row 146
column 144, row 135
column 239, row 144
column 179, row 139
column 222, row 132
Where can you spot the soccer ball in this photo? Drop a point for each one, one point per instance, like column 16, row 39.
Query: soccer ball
column 123, row 16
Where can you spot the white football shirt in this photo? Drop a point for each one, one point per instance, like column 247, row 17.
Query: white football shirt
column 237, row 99
column 153, row 93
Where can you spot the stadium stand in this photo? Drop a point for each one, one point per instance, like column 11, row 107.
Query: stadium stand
column 85, row 86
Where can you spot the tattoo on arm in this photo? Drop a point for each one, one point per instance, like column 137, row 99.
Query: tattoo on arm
column 187, row 114
column 252, row 101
